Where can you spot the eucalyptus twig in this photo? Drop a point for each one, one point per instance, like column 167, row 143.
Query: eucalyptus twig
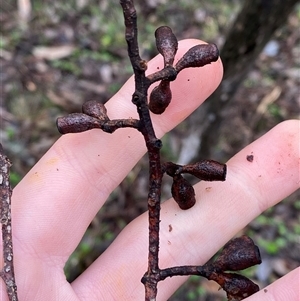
column 237, row 254
column 7, row 272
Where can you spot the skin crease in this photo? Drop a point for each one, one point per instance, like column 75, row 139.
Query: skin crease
column 54, row 204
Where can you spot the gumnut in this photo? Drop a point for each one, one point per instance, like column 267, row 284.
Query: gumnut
column 76, row 123
column 238, row 254
column 183, row 192
column 198, row 56
column 160, row 97
column 236, row 286
column 95, row 109
column 166, row 44
column 206, row 170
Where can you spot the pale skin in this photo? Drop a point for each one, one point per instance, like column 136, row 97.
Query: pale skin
column 54, row 204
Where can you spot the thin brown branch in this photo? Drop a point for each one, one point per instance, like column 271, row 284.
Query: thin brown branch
column 7, row 273
column 153, row 144
column 79, row 122
column 237, row 254
column 168, row 73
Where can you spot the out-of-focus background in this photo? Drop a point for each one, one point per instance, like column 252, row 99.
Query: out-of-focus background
column 55, row 55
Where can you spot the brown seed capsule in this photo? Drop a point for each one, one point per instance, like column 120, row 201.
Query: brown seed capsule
column 76, row 123
column 95, row 109
column 183, row 192
column 166, row 44
column 160, row 97
column 238, row 254
column 236, row 286
column 206, row 170
column 198, row 56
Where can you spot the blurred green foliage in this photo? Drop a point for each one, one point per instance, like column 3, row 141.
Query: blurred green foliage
column 15, row 178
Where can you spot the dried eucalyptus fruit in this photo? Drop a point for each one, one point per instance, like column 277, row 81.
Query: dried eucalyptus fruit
column 198, row 56
column 95, row 109
column 166, row 44
column 183, row 192
column 238, row 254
column 206, row 170
column 160, row 97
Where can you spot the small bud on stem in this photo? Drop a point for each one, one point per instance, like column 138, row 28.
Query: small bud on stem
column 238, row 254
column 183, row 192
column 95, row 109
column 76, row 123
column 166, row 44
column 198, row 56
column 160, row 97
column 236, row 286
column 206, row 170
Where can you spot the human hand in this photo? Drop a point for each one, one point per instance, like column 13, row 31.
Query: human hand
column 54, row 204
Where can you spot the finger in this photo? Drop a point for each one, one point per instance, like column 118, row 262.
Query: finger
column 284, row 289
column 56, row 201
column 221, row 211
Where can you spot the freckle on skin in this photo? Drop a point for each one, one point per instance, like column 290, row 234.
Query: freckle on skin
column 208, row 189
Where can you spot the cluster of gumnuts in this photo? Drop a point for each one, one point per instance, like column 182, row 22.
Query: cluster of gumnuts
column 94, row 114
column 239, row 253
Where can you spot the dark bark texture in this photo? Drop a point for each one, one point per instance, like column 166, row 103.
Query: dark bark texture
column 7, row 272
